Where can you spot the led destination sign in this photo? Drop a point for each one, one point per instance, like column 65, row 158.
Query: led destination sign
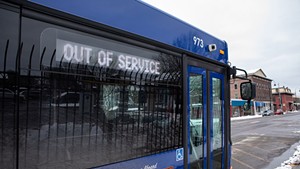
column 89, row 55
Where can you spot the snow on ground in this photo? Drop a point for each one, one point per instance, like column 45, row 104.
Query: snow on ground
column 256, row 116
column 245, row 117
column 292, row 161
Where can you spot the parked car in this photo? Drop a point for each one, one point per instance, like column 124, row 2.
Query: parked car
column 279, row 112
column 267, row 113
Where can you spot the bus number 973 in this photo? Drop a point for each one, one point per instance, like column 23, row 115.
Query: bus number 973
column 198, row 42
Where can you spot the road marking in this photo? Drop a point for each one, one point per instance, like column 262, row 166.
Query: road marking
column 233, row 123
column 252, row 146
column 252, row 155
column 236, row 123
column 278, row 148
column 244, row 164
column 254, row 122
column 250, row 138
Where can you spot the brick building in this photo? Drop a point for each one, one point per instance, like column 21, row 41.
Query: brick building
column 296, row 102
column 283, row 99
column 263, row 100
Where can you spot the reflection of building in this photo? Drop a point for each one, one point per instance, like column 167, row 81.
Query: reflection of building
column 282, row 98
column 263, row 100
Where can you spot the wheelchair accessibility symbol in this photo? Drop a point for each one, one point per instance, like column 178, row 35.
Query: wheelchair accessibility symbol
column 179, row 154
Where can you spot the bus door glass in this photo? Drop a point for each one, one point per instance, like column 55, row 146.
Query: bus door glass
column 196, row 115
column 205, row 119
column 216, row 120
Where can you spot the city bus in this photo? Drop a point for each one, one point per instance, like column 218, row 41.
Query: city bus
column 110, row 84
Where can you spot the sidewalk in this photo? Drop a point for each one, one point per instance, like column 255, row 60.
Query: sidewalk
column 256, row 116
column 245, row 117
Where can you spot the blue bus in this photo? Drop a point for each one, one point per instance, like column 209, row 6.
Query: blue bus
column 110, row 84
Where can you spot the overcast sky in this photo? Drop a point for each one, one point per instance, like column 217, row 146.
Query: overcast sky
column 260, row 33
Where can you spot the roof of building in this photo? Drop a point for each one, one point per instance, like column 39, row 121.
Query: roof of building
column 282, row 90
column 255, row 72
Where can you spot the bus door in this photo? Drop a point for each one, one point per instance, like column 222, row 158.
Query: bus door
column 205, row 119
column 216, row 120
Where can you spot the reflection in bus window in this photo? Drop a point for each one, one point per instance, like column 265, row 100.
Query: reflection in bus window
column 196, row 120
column 217, row 121
column 82, row 116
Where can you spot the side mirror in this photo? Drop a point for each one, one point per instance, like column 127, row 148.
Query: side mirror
column 248, row 90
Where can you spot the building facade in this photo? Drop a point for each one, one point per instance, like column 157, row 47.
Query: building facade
column 296, row 103
column 283, row 99
column 263, row 100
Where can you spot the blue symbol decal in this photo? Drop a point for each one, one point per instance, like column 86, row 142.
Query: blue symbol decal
column 179, row 154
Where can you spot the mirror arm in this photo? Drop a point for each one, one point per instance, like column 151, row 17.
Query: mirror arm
column 243, row 71
column 233, row 73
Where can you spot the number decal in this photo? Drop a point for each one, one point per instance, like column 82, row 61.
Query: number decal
column 198, row 42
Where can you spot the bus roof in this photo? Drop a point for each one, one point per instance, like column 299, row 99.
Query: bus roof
column 142, row 19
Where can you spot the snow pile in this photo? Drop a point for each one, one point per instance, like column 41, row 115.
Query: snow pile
column 245, row 117
column 292, row 161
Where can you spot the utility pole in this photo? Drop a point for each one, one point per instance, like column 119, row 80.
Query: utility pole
column 271, row 97
column 280, row 100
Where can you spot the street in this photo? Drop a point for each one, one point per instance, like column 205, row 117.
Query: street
column 258, row 141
